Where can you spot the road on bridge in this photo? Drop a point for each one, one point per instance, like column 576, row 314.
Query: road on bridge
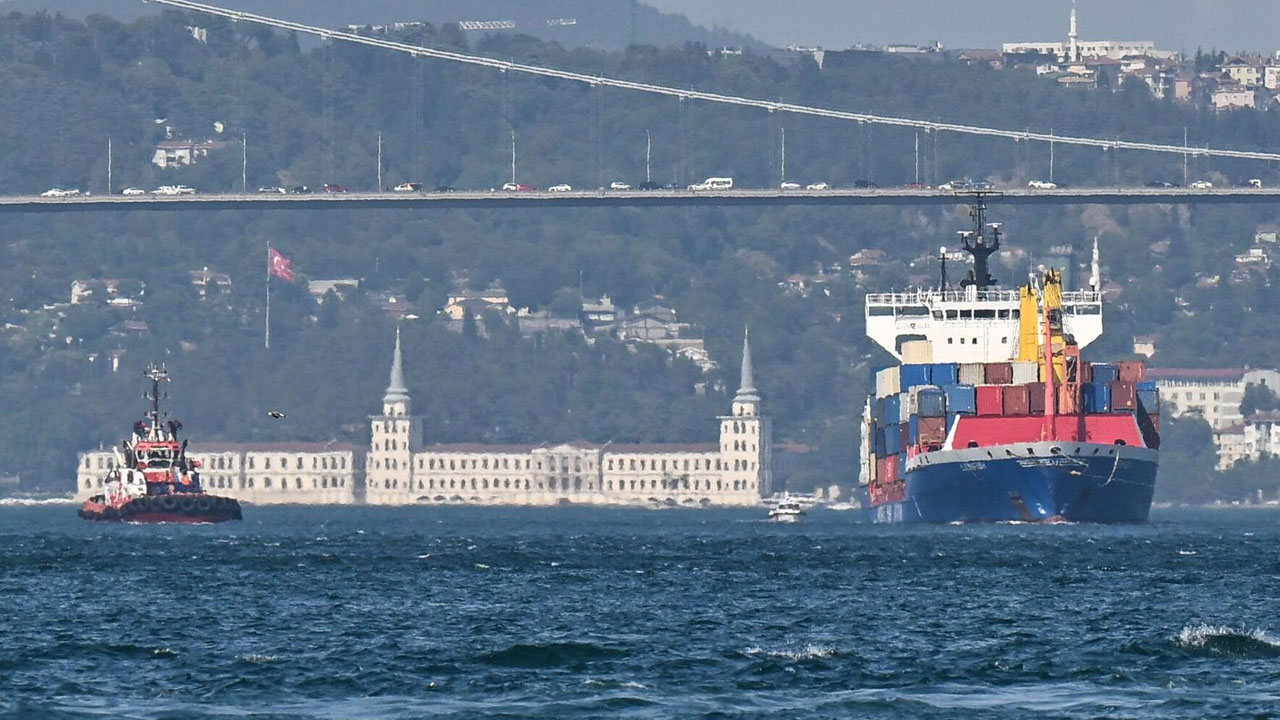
column 632, row 198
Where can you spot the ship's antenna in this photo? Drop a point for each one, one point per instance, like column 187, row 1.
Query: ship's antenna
column 942, row 256
column 980, row 249
column 156, row 374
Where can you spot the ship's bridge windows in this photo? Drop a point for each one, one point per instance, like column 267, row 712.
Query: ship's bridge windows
column 966, row 314
column 879, row 310
column 937, row 315
column 913, row 310
column 953, row 314
column 984, row 314
column 1003, row 314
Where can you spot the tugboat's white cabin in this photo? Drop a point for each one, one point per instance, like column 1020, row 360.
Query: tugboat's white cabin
column 970, row 325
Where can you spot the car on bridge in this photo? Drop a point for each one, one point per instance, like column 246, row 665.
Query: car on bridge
column 408, row 187
column 562, row 187
column 619, row 186
column 1159, row 184
column 445, row 188
column 518, row 187
column 864, row 184
column 714, row 183
column 272, row 190
column 1042, row 185
column 817, row 186
column 1201, row 185
column 59, row 193
column 300, row 190
column 649, row 185
column 955, row 185
column 332, row 188
column 174, row 190
column 789, row 186
column 133, row 191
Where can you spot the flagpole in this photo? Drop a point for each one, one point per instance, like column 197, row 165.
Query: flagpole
column 266, row 341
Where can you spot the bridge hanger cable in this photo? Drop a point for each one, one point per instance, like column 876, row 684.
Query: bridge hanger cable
column 686, row 93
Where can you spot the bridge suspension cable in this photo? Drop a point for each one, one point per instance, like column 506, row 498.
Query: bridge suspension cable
column 932, row 126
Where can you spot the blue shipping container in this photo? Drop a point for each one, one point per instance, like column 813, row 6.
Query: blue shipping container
column 877, row 441
column 913, row 430
column 1147, row 385
column 1097, row 397
column 892, row 440
column 1149, row 401
column 913, row 375
column 892, row 409
column 1105, row 373
column 902, row 466
column 960, row 399
column 944, row 373
column 931, row 403
column 877, row 411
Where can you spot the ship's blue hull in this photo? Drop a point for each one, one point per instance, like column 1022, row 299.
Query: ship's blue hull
column 1027, row 483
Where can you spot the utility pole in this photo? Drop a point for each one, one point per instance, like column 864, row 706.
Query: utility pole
column 1050, row 154
column 513, row 156
column 379, row 162
column 1184, row 156
column 108, row 166
column 244, row 162
column 917, row 157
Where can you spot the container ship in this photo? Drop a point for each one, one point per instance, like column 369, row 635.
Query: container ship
column 152, row 479
column 992, row 414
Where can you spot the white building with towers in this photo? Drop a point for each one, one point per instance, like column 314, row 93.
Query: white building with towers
column 402, row 469
column 1075, row 50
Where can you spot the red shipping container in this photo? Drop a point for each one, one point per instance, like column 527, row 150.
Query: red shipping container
column 1084, row 373
column 904, row 436
column 1036, row 404
column 990, row 400
column 933, row 431
column 1132, row 371
column 999, row 373
column 1068, row 399
column 1017, row 400
column 1124, row 396
column 887, row 469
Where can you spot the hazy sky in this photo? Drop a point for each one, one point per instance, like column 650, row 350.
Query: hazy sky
column 1172, row 24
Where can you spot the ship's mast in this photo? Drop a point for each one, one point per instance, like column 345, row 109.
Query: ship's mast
column 976, row 243
column 156, row 374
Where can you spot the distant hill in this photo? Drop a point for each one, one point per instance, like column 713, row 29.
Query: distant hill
column 604, row 24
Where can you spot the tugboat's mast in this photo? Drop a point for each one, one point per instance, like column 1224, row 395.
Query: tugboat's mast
column 157, row 374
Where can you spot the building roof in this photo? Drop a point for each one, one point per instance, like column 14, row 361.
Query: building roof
column 481, row 448
column 1270, row 416
column 286, row 447
column 396, row 390
column 660, row 448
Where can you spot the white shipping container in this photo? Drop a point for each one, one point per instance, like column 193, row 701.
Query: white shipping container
column 917, row 352
column 1025, row 372
column 904, row 409
column 888, row 381
column 972, row 374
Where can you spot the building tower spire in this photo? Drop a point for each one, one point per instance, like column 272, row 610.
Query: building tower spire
column 1073, row 37
column 747, row 384
column 397, row 393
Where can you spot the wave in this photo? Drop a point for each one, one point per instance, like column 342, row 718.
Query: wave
column 550, row 655
column 26, row 501
column 1224, row 641
column 808, row 652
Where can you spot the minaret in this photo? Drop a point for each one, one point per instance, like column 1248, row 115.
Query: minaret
column 1095, row 280
column 1073, row 38
column 746, row 444
column 395, row 436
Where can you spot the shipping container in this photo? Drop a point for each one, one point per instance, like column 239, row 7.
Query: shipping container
column 1025, row 372
column 915, row 375
column 1035, row 391
column 887, row 381
column 904, row 408
column 892, row 439
column 972, row 374
column 904, row 437
column 917, row 351
column 931, row 402
column 877, row 441
column 1131, row 371
column 931, row 431
column 1069, row 399
column 913, row 430
column 877, row 411
column 1084, row 373
column 960, row 399
column 1148, row 401
column 1105, row 373
column 1097, row 397
column 999, row 373
column 887, row 469
column 902, row 466
column 873, row 467
column 892, row 409
column 1124, row 396
column 1147, row 385
column 1017, row 400
column 990, row 400
column 944, row 373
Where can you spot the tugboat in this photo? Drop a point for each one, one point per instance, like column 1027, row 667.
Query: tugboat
column 152, row 480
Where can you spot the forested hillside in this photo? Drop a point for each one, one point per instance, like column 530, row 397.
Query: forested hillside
column 314, row 116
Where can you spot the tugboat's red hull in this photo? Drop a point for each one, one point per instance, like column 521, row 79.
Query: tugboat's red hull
column 175, row 508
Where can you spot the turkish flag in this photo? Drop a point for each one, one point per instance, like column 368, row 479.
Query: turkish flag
column 278, row 265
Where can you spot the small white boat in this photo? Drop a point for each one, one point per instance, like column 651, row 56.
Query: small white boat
column 786, row 511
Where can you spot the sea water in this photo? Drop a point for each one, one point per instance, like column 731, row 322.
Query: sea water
column 584, row 613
